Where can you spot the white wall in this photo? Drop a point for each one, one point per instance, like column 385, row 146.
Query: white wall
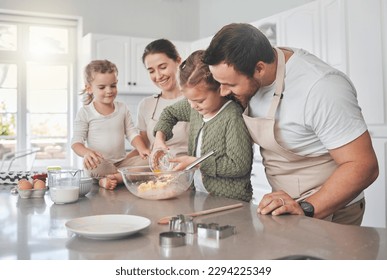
column 137, row 18
column 184, row 20
column 213, row 14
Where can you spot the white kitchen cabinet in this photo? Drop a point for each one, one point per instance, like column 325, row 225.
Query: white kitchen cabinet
column 140, row 80
column 269, row 27
column 300, row 28
column 317, row 27
column 333, row 38
column 365, row 53
column 126, row 53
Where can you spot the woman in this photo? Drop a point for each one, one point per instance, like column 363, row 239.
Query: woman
column 162, row 61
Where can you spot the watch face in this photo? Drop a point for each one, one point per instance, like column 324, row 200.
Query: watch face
column 307, row 208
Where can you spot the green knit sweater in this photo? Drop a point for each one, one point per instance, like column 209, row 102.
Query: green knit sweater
column 227, row 172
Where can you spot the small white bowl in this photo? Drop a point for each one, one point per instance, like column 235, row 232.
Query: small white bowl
column 85, row 186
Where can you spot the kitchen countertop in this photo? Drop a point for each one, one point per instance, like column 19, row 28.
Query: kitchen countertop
column 35, row 229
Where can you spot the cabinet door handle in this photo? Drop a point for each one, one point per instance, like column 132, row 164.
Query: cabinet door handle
column 129, row 83
column 134, row 83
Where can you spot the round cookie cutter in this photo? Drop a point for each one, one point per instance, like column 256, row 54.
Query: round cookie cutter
column 172, row 239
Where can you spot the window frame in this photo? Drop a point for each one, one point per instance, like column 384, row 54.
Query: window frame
column 21, row 58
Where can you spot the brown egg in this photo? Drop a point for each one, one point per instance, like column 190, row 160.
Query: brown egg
column 39, row 184
column 24, row 184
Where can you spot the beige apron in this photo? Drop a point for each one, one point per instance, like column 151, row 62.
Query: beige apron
column 299, row 176
column 152, row 122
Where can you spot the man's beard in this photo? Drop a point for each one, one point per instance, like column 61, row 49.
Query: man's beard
column 243, row 100
column 235, row 99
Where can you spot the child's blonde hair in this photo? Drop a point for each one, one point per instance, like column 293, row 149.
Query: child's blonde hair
column 96, row 66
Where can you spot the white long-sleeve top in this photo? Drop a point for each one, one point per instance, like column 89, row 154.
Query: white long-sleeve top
column 105, row 134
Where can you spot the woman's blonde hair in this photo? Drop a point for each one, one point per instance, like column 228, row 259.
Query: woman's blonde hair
column 96, row 66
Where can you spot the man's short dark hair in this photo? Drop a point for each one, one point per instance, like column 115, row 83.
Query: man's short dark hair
column 239, row 45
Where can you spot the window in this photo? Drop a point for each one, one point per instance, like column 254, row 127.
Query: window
column 37, row 82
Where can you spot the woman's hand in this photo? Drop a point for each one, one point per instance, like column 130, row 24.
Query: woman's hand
column 144, row 153
column 92, row 159
column 182, row 162
column 278, row 203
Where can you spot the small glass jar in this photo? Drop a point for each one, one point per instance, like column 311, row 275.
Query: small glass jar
column 159, row 160
column 64, row 185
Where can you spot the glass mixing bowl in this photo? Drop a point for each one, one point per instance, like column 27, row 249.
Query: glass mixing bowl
column 144, row 183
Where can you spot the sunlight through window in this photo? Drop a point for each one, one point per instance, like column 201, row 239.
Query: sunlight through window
column 8, row 37
column 47, row 40
column 37, row 79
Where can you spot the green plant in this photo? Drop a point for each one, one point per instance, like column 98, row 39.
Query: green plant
column 7, row 121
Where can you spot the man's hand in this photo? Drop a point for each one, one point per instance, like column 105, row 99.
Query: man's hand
column 278, row 203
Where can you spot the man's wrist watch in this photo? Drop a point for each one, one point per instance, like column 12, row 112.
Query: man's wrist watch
column 307, row 208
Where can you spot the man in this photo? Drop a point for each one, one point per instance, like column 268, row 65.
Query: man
column 305, row 117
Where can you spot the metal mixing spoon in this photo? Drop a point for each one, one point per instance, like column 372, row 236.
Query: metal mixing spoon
column 199, row 160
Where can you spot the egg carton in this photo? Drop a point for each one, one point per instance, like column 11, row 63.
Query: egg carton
column 32, row 193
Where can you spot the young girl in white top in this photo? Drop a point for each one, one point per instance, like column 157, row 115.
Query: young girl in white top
column 103, row 124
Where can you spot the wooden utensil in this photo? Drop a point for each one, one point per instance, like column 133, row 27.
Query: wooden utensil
column 165, row 220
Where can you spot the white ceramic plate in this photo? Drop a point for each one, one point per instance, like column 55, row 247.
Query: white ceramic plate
column 107, row 226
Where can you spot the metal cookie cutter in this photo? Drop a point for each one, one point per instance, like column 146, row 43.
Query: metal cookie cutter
column 172, row 239
column 182, row 223
column 215, row 231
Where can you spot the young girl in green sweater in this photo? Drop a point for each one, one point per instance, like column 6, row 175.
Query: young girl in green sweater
column 216, row 124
